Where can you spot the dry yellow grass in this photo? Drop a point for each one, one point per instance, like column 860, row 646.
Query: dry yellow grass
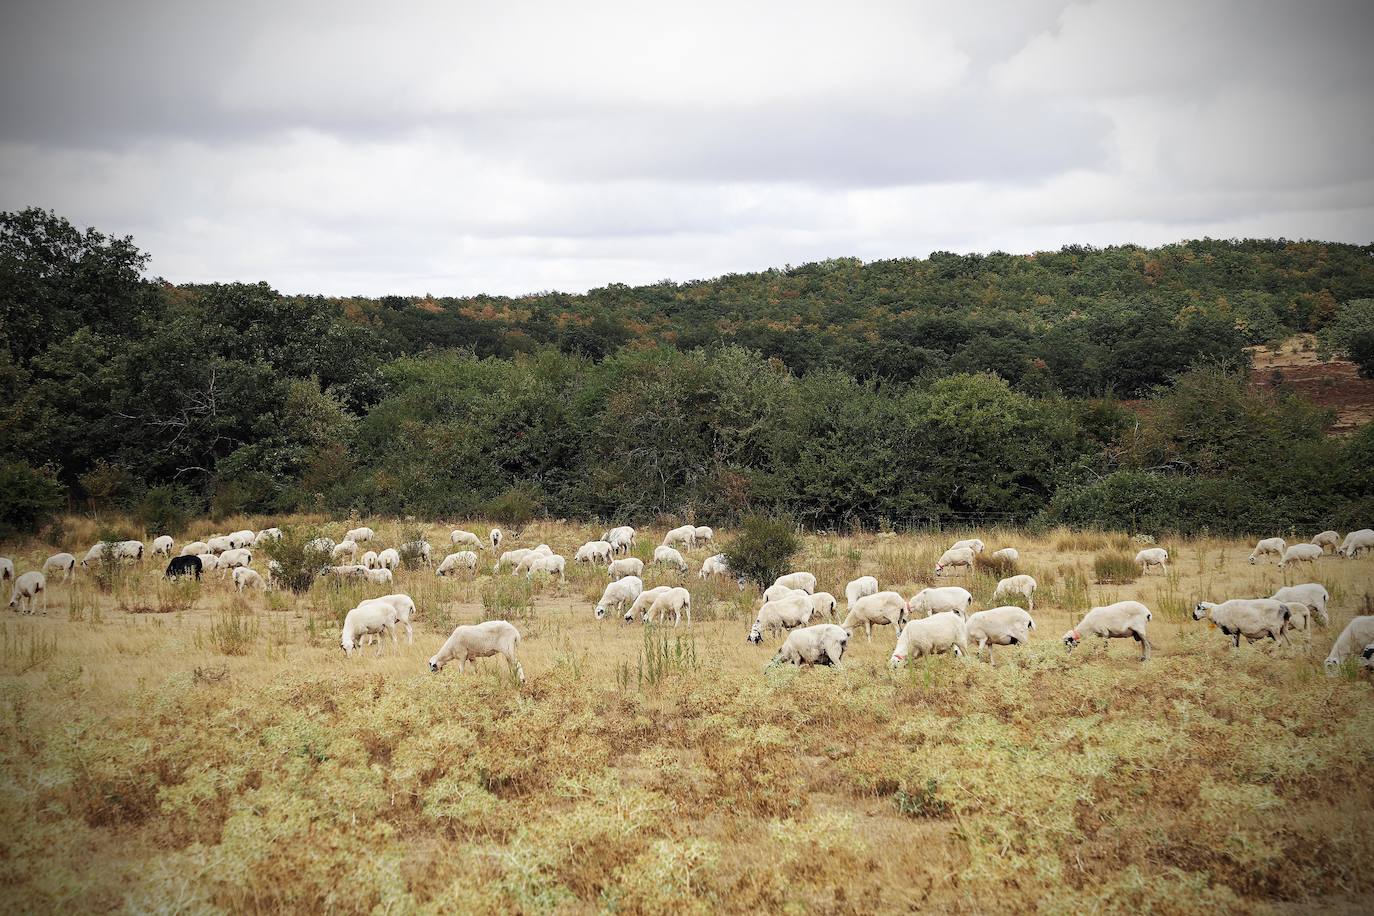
column 145, row 768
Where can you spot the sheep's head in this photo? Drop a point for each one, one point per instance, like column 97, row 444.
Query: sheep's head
column 600, row 612
column 1252, row 559
column 436, row 664
column 1368, row 652
column 1201, row 609
column 630, row 615
column 1072, row 639
column 755, row 634
column 897, row 660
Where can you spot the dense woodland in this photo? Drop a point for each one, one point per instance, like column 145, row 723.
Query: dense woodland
column 903, row 392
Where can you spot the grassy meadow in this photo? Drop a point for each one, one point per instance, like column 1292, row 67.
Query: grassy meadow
column 182, row 748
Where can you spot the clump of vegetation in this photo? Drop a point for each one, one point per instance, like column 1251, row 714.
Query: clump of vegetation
column 995, row 567
column 412, row 549
column 762, row 548
column 662, row 656
column 515, row 508
column 32, row 496
column 299, row 558
column 1114, row 568
column 233, row 631
column 165, row 509
column 507, row 598
column 923, row 800
column 170, row 597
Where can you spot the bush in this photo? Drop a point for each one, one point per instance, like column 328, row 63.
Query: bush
column 763, row 548
column 31, row 496
column 300, row 561
column 507, row 598
column 996, row 567
column 1115, row 568
column 166, row 509
column 515, row 508
column 412, row 550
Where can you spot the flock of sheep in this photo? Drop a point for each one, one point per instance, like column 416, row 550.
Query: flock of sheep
column 933, row 621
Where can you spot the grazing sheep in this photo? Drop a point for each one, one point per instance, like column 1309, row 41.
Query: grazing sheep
column 377, row 576
column 934, row 635
column 626, row 566
column 463, row 559
column 622, row 539
column 677, row 601
column 162, row 545
column 405, row 609
column 859, row 588
column 880, row 608
column 972, row 544
column 824, row 605
column 389, row 559
column 512, row 557
column 1356, row 541
column 999, row 626
column 344, row 572
column 496, row 538
column 1268, row 546
column 1007, row 555
column 420, row 548
column 1328, row 539
column 371, row 616
column 594, row 552
column 344, row 548
column 481, row 640
column 714, row 565
column 802, row 580
column 266, row 534
column 28, row 587
column 321, row 545
column 1114, row 621
column 466, row 538
column 93, row 555
column 369, row 559
column 1312, row 594
column 6, row 569
column 1358, row 634
column 1302, row 617
column 1253, row 618
column 641, row 604
column 618, row 593
column 667, row 556
column 58, row 561
column 245, row 578
column 208, row 562
column 705, row 535
column 195, row 549
column 785, row 613
column 822, row 644
column 1368, row 656
column 128, row 550
column 242, row 538
column 551, row 564
column 360, row 535
column 955, row 556
column 183, row 566
column 774, row 592
column 218, row 545
column 543, row 550
column 1301, row 553
column 930, row 601
column 1018, row 585
column 234, row 558
column 684, row 534
column 1152, row 556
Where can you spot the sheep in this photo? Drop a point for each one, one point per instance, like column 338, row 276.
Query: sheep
column 344, row 572
column 245, row 578
column 1311, row 594
column 236, row 557
column 1328, row 539
column 1114, row 621
column 618, row 593
column 972, row 544
column 537, row 553
column 360, row 535
column 625, row 566
column 6, row 569
column 705, row 535
column 859, row 588
column 344, row 548
column 1368, row 656
column 94, row 555
column 1018, row 585
column 552, row 564
column 824, row 605
column 377, row 576
column 1007, row 555
column 389, row 559
column 1301, row 617
column 622, row 539
column 1253, row 618
column 1152, row 556
column 481, row 640
column 321, row 545
column 242, row 538
column 195, row 549
column 369, row 559
column 371, row 616
column 162, row 545
column 266, row 534
column 1301, row 553
column 511, row 557
column 208, row 561
column 677, row 600
column 218, row 545
column 26, row 588
column 822, row 644
column 58, row 561
column 934, row 635
column 774, row 592
column 1358, row 634
column 667, row 556
column 642, row 602
column 463, row 559
column 183, row 566
column 404, row 606
column 683, row 534
column 955, row 556
column 1275, row 546
column 930, row 601
column 880, row 608
column 785, row 613
column 802, row 580
column 594, row 552
column 420, row 548
column 496, row 538
column 999, row 626
column 1357, row 541
column 466, row 538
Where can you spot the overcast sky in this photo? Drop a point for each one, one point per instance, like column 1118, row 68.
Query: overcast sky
column 458, row 147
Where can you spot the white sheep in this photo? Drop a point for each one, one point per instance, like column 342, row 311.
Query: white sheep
column 368, row 559
column 774, row 592
column 594, row 552
column 1022, row 585
column 930, row 601
column 344, row 548
column 220, row 544
column 1312, row 594
column 481, row 640
column 389, row 559
column 881, row 608
column 1328, row 539
column 404, row 606
column 512, row 558
column 344, row 572
column 463, row 559
column 714, row 565
column 802, row 580
column 369, row 617
column 360, row 535
column 824, row 605
column 626, row 566
column 29, row 586
column 955, row 557
column 208, row 562
column 822, row 644
column 551, row 564
column 1358, row 634
column 1007, row 555
column 1356, row 541
column 378, row 576
column 934, row 635
column 622, row 539
column 235, row 558
column 999, row 626
column 162, row 545
column 1253, row 618
column 1267, row 547
column 95, row 554
column 496, row 538
column 243, row 538
column 59, row 561
column 466, row 538
column 420, row 548
column 859, row 588
column 972, row 544
column 6, row 569
column 677, row 601
column 640, row 606
column 265, row 535
column 785, row 613
column 704, row 534
column 1153, row 556
column 543, row 550
column 245, row 578
column 667, row 556
column 1114, row 621
column 1301, row 553
column 195, row 549
column 1302, row 617
column 620, row 592
column 685, row 535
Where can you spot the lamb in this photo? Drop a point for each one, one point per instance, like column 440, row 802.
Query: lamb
column 242, row 538
column 930, row 601
column 369, row 560
column 218, row 545
column 183, row 566
column 1357, row 634
column 786, row 613
column 371, row 616
column 626, row 566
column 859, row 588
column 880, row 608
column 823, row 604
column 389, row 559
column 667, row 556
column 496, row 538
column 374, row 576
column 802, row 580
column 6, row 569
column 27, row 588
column 1275, row 546
column 266, row 534
column 195, row 549
column 466, row 538
column 1000, row 626
column 646, row 598
column 245, row 578
column 678, row 601
column 344, row 548
column 1301, row 553
column 683, row 534
column 1253, row 618
column 1018, row 585
column 1153, row 556
column 1356, row 541
column 58, row 561
column 822, row 644
column 972, row 544
column 1007, row 555
column 360, row 535
column 955, row 556
column 1114, row 621
column 1328, row 539
column 594, row 552
column 162, row 545
column 934, row 635
column 1311, row 594
column 208, row 561
column 622, row 539
column 236, row 557
column 618, row 593
column 551, row 564
column 463, row 559
column 704, row 534
column 482, row 640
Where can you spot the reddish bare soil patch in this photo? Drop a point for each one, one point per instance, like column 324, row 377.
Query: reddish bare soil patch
column 1335, row 384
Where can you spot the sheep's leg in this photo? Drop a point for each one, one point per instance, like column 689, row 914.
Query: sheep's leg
column 1031, row 599
column 868, row 630
column 1144, row 645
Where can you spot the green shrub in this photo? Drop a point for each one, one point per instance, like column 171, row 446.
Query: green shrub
column 412, row 549
column 507, row 598
column 31, row 496
column 1114, row 568
column 515, row 508
column 763, row 549
column 166, row 509
column 300, row 561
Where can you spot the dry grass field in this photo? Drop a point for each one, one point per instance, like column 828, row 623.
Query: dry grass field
column 183, row 749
